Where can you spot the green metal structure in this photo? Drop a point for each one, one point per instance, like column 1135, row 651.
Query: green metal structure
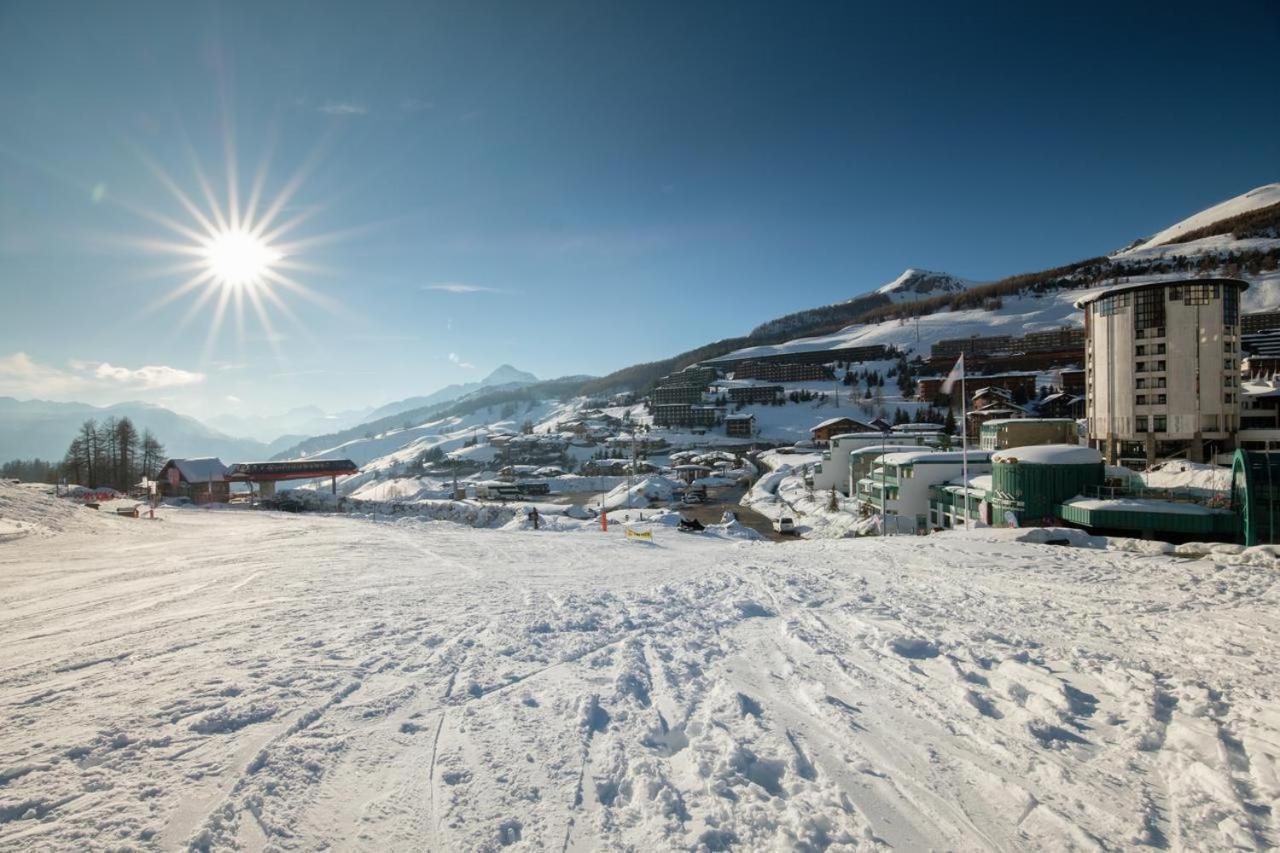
column 1255, row 487
column 1032, row 491
column 1152, row 521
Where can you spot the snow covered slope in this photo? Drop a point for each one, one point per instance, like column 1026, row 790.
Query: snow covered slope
column 917, row 284
column 1263, row 196
column 1015, row 317
column 258, row 681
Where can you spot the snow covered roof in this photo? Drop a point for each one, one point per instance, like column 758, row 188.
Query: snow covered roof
column 1260, row 388
column 997, row 422
column 1049, row 454
column 935, row 457
column 979, row 484
column 873, row 435
column 918, row 427
column 871, row 450
column 1137, row 281
column 199, row 470
column 833, row 421
column 1142, row 505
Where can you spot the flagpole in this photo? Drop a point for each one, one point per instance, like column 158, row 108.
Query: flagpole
column 964, row 441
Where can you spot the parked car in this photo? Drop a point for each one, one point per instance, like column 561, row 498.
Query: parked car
column 784, row 525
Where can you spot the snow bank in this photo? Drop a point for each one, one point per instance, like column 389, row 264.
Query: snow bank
column 642, row 494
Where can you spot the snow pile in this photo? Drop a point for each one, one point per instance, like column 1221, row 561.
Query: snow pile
column 32, row 509
column 466, row 513
column 642, row 494
column 1198, row 478
column 783, row 493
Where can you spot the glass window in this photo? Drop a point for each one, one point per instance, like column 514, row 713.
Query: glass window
column 1141, row 423
column 1140, row 382
column 1160, row 382
column 1160, row 365
column 1141, row 367
column 1160, row 349
column 1148, row 311
column 1160, row 423
column 1231, row 306
column 1161, row 399
column 1140, row 350
column 1198, row 294
column 1141, row 400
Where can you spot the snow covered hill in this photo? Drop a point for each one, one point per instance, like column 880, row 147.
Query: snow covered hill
column 1031, row 311
column 267, row 681
column 504, row 376
column 1254, row 199
column 916, row 284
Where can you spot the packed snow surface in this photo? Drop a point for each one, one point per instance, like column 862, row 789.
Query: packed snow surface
column 239, row 679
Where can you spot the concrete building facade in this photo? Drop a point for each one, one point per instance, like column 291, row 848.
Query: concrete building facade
column 1162, row 365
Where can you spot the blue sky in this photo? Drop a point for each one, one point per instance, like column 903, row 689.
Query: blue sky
column 574, row 187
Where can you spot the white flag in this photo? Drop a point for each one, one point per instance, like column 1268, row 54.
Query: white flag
column 956, row 374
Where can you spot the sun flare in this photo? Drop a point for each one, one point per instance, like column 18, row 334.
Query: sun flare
column 240, row 252
column 237, row 258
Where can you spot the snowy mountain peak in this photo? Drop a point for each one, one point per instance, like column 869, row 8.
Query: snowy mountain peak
column 919, row 284
column 1255, row 199
column 506, row 374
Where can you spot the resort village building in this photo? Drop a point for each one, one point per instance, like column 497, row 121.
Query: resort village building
column 898, row 485
column 1162, row 361
column 833, row 471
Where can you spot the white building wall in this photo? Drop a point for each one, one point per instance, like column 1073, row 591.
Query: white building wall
column 833, row 471
column 1196, row 394
column 913, row 492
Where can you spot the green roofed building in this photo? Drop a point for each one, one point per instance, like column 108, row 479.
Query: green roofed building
column 1028, row 482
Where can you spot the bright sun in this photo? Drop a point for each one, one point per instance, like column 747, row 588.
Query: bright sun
column 239, row 259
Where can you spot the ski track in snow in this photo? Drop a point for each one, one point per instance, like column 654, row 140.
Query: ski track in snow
column 222, row 680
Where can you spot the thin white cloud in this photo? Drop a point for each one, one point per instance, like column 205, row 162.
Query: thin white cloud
column 148, row 377
column 24, row 377
column 461, row 287
column 457, row 360
column 233, row 399
column 342, row 108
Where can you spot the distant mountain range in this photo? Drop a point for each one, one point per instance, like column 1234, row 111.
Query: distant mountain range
column 43, row 429
column 505, row 376
column 305, row 420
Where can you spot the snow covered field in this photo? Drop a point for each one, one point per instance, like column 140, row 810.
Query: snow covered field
column 244, row 679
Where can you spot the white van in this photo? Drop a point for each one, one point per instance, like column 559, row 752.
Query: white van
column 784, row 525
